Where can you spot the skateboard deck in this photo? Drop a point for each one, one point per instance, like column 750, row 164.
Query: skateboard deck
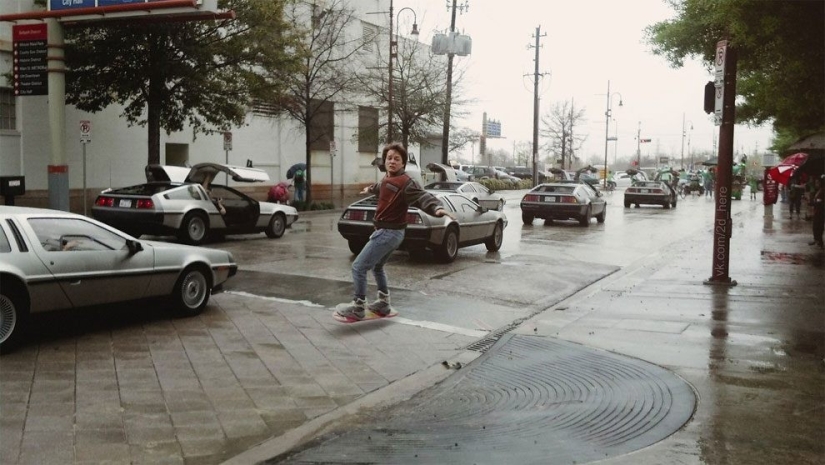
column 368, row 315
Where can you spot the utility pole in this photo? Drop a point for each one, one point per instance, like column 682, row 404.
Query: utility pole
column 570, row 153
column 445, row 135
column 536, row 76
column 639, row 147
column 682, row 161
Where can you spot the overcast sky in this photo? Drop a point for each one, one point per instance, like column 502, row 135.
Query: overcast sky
column 587, row 43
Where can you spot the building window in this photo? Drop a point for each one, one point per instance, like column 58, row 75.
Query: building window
column 367, row 129
column 322, row 126
column 368, row 34
column 8, row 111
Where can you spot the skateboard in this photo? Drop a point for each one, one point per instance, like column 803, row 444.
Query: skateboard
column 368, row 315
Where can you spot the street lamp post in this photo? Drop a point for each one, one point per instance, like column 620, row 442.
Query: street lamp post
column 607, row 114
column 682, row 163
column 393, row 54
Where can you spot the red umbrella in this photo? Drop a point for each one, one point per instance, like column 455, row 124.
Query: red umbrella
column 782, row 172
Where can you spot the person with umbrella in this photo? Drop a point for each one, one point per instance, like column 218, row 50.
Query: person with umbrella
column 818, row 202
column 297, row 173
column 797, row 191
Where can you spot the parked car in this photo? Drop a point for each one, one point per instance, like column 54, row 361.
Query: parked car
column 625, row 179
column 563, row 201
column 483, row 172
column 473, row 225
column 511, row 180
column 479, row 194
column 650, row 193
column 53, row 260
column 191, row 209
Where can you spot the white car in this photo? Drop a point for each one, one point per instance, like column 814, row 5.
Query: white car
column 192, row 209
column 54, row 260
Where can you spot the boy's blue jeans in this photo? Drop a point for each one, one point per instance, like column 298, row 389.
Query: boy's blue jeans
column 373, row 256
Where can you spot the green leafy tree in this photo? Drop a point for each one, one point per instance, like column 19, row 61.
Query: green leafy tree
column 172, row 75
column 781, row 51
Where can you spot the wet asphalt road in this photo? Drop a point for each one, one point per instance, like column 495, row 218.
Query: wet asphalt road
column 481, row 290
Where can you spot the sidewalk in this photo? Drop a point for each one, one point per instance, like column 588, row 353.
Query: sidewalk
column 754, row 353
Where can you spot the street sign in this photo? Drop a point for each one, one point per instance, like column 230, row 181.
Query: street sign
column 30, row 51
column 719, row 81
column 85, row 132
column 227, row 140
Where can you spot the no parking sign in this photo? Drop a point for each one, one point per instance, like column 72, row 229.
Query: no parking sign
column 85, row 132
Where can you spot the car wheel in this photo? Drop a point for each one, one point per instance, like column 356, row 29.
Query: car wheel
column 585, row 219
column 448, row 249
column 666, row 205
column 194, row 228
column 276, row 226
column 191, row 292
column 356, row 246
column 673, row 204
column 493, row 243
column 527, row 219
column 602, row 216
column 626, row 204
column 14, row 315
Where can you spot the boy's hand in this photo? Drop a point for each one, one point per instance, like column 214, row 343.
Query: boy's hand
column 442, row 212
column 365, row 190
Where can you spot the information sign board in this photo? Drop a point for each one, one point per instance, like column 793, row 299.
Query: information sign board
column 30, row 67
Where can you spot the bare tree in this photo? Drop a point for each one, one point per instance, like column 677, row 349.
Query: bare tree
column 460, row 137
column 419, row 92
column 326, row 73
column 558, row 128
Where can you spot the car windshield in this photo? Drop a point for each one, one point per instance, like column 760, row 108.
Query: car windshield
column 556, row 189
column 443, row 186
column 149, row 189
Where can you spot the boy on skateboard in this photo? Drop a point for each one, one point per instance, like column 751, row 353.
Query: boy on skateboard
column 396, row 192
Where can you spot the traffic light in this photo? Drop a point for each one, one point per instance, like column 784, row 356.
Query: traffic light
column 710, row 97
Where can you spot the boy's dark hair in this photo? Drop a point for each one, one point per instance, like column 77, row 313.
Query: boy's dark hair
column 398, row 148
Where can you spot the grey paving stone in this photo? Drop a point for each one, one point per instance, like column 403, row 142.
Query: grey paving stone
column 187, row 401
column 242, row 423
column 183, row 419
column 161, row 453
column 47, row 447
column 98, row 420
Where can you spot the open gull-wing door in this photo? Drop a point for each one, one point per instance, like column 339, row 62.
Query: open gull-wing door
column 208, row 171
column 160, row 173
column 446, row 173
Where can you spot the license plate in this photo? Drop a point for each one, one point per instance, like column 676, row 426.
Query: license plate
column 125, row 203
column 550, row 199
column 644, row 191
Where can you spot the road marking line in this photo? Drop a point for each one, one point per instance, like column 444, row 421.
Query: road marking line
column 441, row 327
column 306, row 303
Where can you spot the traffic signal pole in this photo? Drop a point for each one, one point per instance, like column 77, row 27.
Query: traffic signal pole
column 725, row 65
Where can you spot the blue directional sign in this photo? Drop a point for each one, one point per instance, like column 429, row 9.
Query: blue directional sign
column 70, row 4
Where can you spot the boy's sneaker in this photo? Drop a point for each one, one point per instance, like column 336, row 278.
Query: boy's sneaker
column 354, row 312
column 381, row 307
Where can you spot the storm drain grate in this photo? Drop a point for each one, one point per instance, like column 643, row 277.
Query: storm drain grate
column 526, row 400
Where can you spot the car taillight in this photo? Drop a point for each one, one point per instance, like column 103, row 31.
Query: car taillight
column 105, row 201
column 145, row 203
column 657, row 191
column 531, row 198
column 414, row 218
column 632, row 189
column 569, row 199
column 355, row 215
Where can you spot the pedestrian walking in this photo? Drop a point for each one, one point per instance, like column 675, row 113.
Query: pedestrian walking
column 753, row 186
column 797, row 190
column 396, row 193
column 300, row 185
column 818, row 202
column 707, row 177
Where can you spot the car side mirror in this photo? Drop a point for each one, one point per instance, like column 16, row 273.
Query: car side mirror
column 133, row 246
column 481, row 209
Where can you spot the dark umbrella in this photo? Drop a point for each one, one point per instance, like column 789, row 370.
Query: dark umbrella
column 290, row 173
column 711, row 162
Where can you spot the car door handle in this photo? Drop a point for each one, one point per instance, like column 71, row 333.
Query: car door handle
column 75, row 283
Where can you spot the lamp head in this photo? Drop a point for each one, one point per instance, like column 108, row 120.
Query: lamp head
column 620, row 101
column 414, row 29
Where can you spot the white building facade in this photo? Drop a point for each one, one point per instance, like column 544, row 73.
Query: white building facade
column 117, row 153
